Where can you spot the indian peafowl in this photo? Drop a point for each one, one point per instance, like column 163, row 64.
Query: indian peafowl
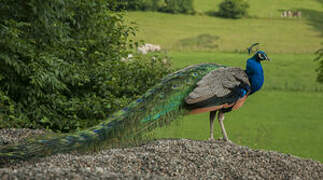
column 226, row 89
column 194, row 89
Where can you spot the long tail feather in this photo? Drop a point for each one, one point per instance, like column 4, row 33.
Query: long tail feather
column 158, row 106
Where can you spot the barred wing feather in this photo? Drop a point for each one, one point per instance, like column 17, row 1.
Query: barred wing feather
column 219, row 83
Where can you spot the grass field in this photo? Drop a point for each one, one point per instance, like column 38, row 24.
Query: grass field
column 282, row 117
column 274, row 120
column 287, row 114
column 292, row 72
column 279, row 35
column 264, row 8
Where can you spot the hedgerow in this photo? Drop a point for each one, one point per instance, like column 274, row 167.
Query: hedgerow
column 319, row 70
column 167, row 6
column 60, row 64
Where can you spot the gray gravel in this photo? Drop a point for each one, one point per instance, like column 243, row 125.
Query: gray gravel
column 165, row 159
column 9, row 136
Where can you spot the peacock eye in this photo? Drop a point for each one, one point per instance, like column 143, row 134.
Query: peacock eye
column 261, row 56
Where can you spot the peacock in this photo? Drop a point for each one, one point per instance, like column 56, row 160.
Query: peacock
column 195, row 89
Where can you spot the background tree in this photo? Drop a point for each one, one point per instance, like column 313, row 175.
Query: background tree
column 319, row 58
column 179, row 6
column 60, row 63
column 168, row 6
column 233, row 9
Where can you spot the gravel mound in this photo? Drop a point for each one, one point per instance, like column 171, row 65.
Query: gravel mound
column 169, row 159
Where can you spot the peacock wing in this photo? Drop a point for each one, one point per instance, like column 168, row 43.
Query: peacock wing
column 218, row 83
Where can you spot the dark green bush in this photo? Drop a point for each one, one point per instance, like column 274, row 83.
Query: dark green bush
column 60, row 64
column 319, row 58
column 169, row 6
column 140, row 5
column 179, row 6
column 233, row 9
column 130, row 5
column 6, row 109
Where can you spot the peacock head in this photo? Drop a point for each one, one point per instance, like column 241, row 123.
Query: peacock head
column 261, row 56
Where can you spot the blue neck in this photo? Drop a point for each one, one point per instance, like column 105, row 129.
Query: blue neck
column 255, row 74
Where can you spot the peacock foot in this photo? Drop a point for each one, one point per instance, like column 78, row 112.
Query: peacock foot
column 228, row 141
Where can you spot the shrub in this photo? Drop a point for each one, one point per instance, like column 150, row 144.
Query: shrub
column 60, row 64
column 140, row 5
column 319, row 58
column 178, row 6
column 233, row 8
column 129, row 5
column 169, row 6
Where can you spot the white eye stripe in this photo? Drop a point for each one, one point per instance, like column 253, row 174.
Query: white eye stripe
column 263, row 56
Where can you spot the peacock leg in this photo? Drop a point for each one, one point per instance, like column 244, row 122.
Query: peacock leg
column 220, row 119
column 212, row 116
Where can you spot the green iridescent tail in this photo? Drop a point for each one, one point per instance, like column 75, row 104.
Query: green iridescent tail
column 158, row 106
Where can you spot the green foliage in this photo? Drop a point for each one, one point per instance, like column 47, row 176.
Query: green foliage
column 233, row 9
column 6, row 109
column 152, row 5
column 60, row 64
column 130, row 4
column 319, row 70
column 179, row 6
column 168, row 6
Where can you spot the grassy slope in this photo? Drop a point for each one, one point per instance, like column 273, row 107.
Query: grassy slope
column 286, row 115
column 275, row 120
column 264, row 8
column 285, row 71
column 288, row 120
column 280, row 35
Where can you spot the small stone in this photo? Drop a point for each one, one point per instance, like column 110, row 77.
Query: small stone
column 99, row 169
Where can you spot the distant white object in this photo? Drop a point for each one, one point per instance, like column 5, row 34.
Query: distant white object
column 148, row 48
column 143, row 50
column 290, row 14
column 284, row 14
column 129, row 58
column 164, row 61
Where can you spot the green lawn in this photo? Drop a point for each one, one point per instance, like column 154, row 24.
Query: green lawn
column 287, row 114
column 264, row 8
column 289, row 122
column 277, row 35
column 292, row 72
